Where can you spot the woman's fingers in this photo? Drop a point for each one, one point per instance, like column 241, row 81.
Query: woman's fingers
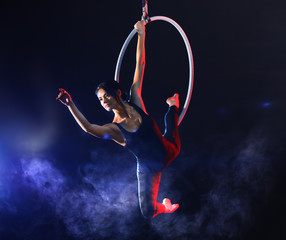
column 65, row 92
column 59, row 95
column 62, row 90
column 64, row 97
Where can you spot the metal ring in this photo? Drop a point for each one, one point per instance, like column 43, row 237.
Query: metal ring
column 190, row 57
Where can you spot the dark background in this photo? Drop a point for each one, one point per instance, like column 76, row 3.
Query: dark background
column 57, row 182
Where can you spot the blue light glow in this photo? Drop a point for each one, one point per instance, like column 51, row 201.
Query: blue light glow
column 106, row 136
column 266, row 104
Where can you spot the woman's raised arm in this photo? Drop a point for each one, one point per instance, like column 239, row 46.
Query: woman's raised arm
column 136, row 87
column 108, row 131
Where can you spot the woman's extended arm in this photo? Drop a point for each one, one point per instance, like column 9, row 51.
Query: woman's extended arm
column 84, row 123
column 136, row 87
column 107, row 131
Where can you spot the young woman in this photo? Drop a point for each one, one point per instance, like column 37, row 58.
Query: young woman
column 134, row 129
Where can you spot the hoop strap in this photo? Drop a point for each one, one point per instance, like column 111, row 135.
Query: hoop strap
column 145, row 15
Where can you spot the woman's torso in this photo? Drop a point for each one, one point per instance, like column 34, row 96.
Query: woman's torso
column 143, row 138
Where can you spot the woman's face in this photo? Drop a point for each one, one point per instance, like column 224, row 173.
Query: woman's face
column 106, row 100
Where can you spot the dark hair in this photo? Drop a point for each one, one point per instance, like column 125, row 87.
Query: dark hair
column 111, row 87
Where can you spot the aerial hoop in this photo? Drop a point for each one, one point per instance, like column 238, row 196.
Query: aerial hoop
column 190, row 57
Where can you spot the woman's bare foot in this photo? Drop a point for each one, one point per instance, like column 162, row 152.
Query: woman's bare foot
column 169, row 207
column 174, row 100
